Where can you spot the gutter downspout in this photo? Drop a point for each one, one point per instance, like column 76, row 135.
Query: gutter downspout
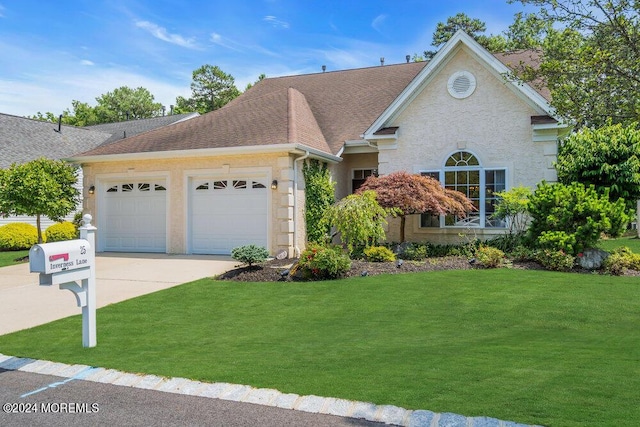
column 296, row 248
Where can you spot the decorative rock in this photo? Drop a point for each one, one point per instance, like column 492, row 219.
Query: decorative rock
column 592, row 259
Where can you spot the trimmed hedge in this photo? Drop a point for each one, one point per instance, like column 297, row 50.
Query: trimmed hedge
column 18, row 236
column 61, row 231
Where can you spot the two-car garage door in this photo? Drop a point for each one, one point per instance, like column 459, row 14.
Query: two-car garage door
column 222, row 214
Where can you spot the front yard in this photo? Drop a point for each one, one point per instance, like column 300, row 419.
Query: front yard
column 12, row 257
column 529, row 346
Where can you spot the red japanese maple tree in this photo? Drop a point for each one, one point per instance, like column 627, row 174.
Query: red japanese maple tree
column 416, row 194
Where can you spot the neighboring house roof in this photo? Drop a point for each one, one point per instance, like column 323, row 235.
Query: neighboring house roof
column 129, row 128
column 321, row 111
column 23, row 140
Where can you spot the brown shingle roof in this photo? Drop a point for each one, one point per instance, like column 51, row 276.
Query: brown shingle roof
column 321, row 111
column 518, row 60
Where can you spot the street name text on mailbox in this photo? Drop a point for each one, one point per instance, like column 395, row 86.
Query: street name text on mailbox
column 55, row 257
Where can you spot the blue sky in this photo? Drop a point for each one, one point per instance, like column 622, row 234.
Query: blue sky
column 54, row 52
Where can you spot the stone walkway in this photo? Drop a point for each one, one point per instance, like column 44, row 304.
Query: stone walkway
column 388, row 414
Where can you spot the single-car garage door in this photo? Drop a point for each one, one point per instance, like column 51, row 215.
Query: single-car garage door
column 135, row 215
column 227, row 213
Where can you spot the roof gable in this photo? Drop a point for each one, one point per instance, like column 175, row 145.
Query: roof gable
column 492, row 63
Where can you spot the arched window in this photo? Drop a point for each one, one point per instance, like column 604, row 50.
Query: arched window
column 463, row 172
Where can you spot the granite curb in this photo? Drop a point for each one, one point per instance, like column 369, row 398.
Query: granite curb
column 387, row 414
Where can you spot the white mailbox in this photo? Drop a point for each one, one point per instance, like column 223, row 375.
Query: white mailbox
column 71, row 265
column 61, row 262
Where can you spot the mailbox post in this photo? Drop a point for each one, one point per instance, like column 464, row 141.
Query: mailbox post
column 64, row 264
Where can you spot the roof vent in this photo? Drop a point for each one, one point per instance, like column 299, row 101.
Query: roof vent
column 324, row 68
column 461, row 84
column 382, row 60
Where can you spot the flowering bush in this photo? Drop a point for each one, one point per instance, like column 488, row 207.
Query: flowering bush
column 319, row 262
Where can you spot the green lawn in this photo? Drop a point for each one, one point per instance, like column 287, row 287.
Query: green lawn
column 631, row 241
column 9, row 258
column 529, row 346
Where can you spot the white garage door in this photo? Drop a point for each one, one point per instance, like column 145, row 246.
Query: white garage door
column 135, row 216
column 227, row 213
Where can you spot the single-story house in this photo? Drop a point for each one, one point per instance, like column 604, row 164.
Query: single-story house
column 233, row 176
column 23, row 140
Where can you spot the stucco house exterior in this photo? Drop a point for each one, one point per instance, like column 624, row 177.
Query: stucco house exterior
column 234, row 176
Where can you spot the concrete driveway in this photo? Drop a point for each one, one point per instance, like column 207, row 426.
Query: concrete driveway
column 24, row 304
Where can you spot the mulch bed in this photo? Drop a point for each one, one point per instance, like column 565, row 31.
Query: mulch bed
column 275, row 270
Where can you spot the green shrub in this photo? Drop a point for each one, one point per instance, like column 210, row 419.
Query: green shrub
column 512, row 207
column 319, row 195
column 379, row 254
column 61, row 231
column 556, row 260
column 523, row 253
column 18, row 236
column 323, row 262
column 620, row 260
column 250, row 254
column 489, row 257
column 507, row 242
column 415, row 252
column 571, row 218
column 359, row 219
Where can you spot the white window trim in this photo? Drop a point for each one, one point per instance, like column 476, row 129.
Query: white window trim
column 482, row 184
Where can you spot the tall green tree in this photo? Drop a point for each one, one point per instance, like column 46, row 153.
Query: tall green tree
column 607, row 158
column 123, row 103
column 41, row 187
column 528, row 31
column 591, row 60
column 211, row 88
column 472, row 26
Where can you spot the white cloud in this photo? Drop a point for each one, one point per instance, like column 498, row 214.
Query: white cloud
column 162, row 34
column 1, row 10
column 378, row 22
column 53, row 81
column 87, row 62
column 224, row 42
column 275, row 22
